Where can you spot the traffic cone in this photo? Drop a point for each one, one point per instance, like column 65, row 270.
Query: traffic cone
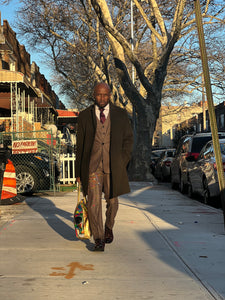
column 9, row 181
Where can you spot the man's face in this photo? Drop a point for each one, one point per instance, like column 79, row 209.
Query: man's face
column 102, row 95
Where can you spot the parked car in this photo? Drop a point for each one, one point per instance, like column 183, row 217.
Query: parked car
column 203, row 179
column 162, row 168
column 33, row 172
column 189, row 145
column 155, row 155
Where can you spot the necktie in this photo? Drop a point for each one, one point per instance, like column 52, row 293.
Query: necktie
column 102, row 115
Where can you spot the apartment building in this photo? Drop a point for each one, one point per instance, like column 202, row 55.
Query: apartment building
column 27, row 101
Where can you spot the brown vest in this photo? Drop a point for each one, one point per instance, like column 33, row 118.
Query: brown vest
column 101, row 146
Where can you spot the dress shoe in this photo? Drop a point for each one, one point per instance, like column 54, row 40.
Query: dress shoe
column 108, row 235
column 99, row 245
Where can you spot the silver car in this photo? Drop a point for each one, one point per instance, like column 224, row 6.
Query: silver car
column 188, row 146
column 162, row 168
column 203, row 177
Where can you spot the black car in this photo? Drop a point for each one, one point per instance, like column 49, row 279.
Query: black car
column 155, row 156
column 33, row 172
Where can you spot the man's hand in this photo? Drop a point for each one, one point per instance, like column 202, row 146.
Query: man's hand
column 78, row 180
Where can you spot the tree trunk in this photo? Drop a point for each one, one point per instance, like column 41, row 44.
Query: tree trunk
column 139, row 167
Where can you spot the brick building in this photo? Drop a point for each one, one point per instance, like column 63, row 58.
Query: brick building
column 27, row 101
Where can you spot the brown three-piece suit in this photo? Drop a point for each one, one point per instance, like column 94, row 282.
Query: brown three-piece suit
column 102, row 156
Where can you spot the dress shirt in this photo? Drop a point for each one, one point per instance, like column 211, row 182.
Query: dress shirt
column 105, row 111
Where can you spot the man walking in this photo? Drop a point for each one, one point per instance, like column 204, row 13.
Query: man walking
column 104, row 147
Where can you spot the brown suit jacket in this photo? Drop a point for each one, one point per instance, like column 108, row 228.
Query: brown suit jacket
column 121, row 144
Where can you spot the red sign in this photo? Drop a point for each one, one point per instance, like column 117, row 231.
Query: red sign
column 24, row 146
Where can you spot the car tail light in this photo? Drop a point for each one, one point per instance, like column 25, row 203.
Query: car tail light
column 214, row 166
column 196, row 155
column 168, row 163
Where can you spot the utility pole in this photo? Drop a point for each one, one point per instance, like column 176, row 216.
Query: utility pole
column 132, row 33
column 203, row 104
column 132, row 70
column 211, row 110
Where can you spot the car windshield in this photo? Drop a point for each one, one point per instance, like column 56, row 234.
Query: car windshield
column 157, row 153
column 45, row 148
column 199, row 142
column 170, row 153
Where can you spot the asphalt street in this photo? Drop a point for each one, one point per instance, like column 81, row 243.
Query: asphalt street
column 166, row 246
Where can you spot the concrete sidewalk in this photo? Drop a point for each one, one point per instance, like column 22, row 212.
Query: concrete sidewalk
column 166, row 246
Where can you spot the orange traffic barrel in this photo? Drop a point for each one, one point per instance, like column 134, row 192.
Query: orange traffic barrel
column 9, row 181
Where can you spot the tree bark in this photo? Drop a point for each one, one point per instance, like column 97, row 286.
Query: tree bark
column 139, row 168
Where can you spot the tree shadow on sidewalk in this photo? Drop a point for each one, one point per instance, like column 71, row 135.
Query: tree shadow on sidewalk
column 182, row 233
column 53, row 216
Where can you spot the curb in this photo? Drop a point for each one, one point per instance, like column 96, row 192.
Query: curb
column 13, row 200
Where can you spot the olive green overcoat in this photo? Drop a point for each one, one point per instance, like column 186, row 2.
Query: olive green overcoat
column 121, row 144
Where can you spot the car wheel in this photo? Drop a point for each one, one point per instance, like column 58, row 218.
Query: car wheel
column 206, row 194
column 190, row 190
column 174, row 185
column 26, row 180
column 183, row 187
column 161, row 176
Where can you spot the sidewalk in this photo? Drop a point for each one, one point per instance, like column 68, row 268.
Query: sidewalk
column 166, row 246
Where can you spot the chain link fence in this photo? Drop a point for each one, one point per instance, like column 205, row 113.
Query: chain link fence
column 35, row 156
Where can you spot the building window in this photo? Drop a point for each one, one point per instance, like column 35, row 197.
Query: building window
column 5, row 65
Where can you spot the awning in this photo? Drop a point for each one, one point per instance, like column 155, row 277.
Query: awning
column 7, row 77
column 66, row 113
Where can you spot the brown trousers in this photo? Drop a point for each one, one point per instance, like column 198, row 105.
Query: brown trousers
column 100, row 182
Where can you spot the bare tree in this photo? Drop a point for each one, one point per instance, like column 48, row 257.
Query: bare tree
column 163, row 35
column 90, row 40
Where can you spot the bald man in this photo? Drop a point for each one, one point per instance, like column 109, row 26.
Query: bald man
column 104, row 148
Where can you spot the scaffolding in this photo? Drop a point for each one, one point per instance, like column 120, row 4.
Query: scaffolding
column 20, row 118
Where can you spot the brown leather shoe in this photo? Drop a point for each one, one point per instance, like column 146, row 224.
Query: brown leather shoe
column 108, row 235
column 99, row 245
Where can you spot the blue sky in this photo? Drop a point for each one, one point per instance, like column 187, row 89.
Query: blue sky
column 8, row 12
